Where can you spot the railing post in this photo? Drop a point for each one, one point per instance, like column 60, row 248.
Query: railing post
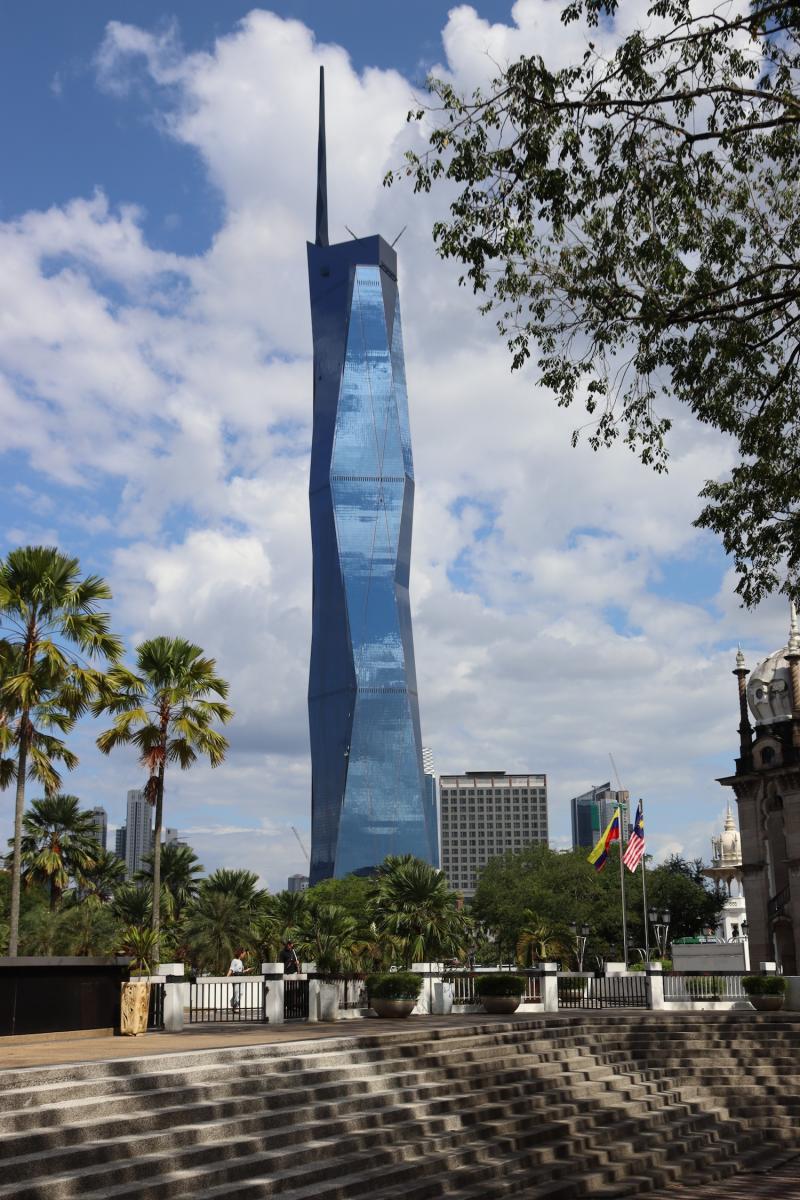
column 655, row 986
column 273, row 1000
column 550, row 987
column 173, row 1004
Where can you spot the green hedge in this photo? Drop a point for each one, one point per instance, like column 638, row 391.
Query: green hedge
column 764, row 985
column 399, row 985
column 502, row 983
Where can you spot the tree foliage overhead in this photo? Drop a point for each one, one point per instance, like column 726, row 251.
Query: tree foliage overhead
column 632, row 222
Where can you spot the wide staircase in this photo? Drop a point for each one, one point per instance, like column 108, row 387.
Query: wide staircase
column 608, row 1104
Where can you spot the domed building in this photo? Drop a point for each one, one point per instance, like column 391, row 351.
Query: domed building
column 767, row 789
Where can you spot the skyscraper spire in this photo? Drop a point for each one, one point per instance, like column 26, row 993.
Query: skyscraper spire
column 322, row 174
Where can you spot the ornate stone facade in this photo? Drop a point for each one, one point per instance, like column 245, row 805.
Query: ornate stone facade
column 767, row 789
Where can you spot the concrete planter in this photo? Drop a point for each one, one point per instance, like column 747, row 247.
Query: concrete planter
column 500, row 1004
column 766, row 1003
column 135, row 1006
column 393, row 1008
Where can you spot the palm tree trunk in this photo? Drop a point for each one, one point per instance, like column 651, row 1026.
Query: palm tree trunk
column 16, row 863
column 157, row 853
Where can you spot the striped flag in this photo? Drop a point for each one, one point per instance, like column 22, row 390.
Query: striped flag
column 635, row 850
column 599, row 855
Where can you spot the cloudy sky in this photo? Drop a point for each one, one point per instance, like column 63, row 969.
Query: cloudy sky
column 155, row 406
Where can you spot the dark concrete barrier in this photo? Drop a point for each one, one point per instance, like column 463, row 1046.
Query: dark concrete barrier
column 55, row 995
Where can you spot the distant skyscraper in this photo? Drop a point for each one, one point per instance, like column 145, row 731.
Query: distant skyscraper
column 120, row 838
column 431, row 799
column 367, row 791
column 591, row 812
column 297, row 883
column 100, row 825
column 484, row 814
column 172, row 838
column 139, row 831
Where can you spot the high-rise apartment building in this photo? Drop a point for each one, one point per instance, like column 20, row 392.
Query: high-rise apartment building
column 484, row 814
column 138, row 831
column 431, row 798
column 100, row 817
column 297, row 883
column 367, row 785
column 591, row 812
column 120, row 838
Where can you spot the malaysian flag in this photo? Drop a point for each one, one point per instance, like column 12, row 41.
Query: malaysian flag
column 635, row 850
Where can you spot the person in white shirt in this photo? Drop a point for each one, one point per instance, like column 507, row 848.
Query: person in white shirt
column 237, row 967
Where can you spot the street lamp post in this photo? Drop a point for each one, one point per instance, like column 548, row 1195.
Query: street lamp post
column 581, row 935
column 660, row 922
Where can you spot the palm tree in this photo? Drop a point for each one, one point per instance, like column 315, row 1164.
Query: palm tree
column 281, row 914
column 87, row 929
column 40, row 931
column 216, row 926
column 132, row 905
column 101, row 881
column 537, row 940
column 58, row 843
column 50, row 624
column 142, row 946
column 165, row 708
column 327, row 936
column 180, row 868
column 411, row 902
column 238, row 883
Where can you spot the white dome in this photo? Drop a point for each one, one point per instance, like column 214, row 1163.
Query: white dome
column 769, row 689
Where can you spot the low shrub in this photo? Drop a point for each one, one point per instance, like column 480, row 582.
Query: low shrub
column 503, row 983
column 666, row 965
column 764, row 985
column 399, row 985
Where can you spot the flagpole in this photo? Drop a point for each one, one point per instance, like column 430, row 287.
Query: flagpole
column 622, row 894
column 644, row 894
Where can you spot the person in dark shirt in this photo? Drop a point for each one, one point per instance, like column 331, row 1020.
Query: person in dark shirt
column 291, row 963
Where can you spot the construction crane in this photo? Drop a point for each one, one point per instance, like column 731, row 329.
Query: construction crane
column 300, row 843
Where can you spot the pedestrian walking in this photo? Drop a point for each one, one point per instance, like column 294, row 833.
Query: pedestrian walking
column 236, row 969
column 288, row 956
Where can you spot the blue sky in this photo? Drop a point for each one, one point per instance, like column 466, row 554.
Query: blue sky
column 155, row 395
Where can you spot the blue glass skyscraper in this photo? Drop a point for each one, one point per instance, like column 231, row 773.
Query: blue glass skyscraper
column 368, row 791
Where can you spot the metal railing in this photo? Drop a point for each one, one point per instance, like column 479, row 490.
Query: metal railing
column 581, row 990
column 224, row 999
column 464, row 991
column 351, row 990
column 295, row 999
column 155, row 1013
column 704, row 985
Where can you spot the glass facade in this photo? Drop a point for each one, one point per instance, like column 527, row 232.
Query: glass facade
column 368, row 788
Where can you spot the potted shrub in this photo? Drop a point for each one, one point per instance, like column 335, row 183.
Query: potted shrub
column 765, row 992
column 500, row 992
column 394, row 995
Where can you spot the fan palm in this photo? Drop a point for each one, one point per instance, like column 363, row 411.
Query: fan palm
column 165, row 708
column 281, row 914
column 216, row 926
column 50, row 624
column 58, row 843
column 102, row 880
column 132, row 905
column 412, row 903
column 239, row 884
column 180, row 868
column 327, row 936
column 537, row 940
column 87, row 929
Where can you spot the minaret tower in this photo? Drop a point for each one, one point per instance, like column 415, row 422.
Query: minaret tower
column 767, row 789
column 367, row 789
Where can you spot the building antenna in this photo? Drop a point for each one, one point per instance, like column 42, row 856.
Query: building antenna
column 400, row 234
column 300, row 843
column 322, row 169
column 352, row 235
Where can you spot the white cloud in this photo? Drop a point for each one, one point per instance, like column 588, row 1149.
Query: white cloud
column 542, row 639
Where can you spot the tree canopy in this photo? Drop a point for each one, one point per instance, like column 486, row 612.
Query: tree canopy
column 529, row 898
column 632, row 220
